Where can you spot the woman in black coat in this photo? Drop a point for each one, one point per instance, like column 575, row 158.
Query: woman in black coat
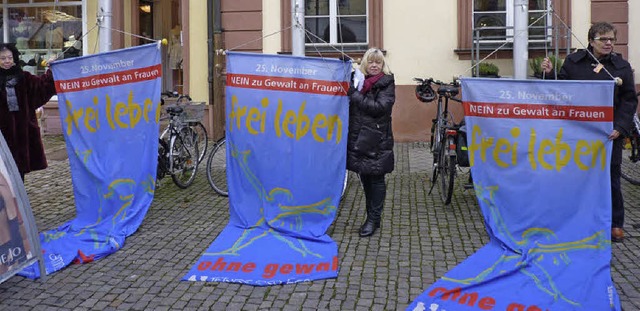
column 599, row 62
column 21, row 93
column 370, row 142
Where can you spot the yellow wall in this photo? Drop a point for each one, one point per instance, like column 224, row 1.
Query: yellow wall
column 420, row 41
column 198, row 47
column 580, row 23
column 127, row 23
column 92, row 35
column 271, row 26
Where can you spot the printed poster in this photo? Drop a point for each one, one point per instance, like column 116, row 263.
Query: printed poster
column 540, row 161
column 19, row 243
column 286, row 130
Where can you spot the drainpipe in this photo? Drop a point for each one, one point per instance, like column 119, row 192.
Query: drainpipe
column 297, row 27
column 105, row 13
column 520, row 38
column 216, row 91
column 5, row 17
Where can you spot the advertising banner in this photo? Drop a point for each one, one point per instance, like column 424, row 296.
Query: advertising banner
column 286, row 130
column 109, row 109
column 540, row 162
column 19, row 243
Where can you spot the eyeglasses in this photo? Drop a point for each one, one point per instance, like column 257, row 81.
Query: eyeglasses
column 605, row 39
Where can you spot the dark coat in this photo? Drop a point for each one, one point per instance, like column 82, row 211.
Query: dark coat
column 20, row 128
column 580, row 66
column 370, row 142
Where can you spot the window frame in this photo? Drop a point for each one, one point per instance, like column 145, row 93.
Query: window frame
column 509, row 23
column 465, row 28
column 374, row 29
column 334, row 18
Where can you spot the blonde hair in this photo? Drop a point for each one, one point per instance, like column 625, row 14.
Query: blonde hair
column 374, row 54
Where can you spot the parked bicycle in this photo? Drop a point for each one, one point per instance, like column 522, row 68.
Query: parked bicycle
column 193, row 117
column 178, row 151
column 445, row 133
column 631, row 153
column 217, row 169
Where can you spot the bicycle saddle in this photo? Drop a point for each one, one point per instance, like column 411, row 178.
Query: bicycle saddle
column 452, row 90
column 174, row 111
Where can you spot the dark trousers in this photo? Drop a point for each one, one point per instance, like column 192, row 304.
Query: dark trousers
column 375, row 191
column 617, row 203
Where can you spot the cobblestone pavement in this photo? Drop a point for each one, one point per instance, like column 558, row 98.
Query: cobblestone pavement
column 420, row 240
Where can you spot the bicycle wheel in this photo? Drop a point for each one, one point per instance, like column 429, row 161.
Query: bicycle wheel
column 202, row 138
column 345, row 181
column 433, row 131
column 183, row 157
column 630, row 163
column 435, row 151
column 163, row 150
column 447, row 168
column 217, row 168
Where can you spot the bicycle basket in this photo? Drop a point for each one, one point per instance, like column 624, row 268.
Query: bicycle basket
column 425, row 93
column 192, row 112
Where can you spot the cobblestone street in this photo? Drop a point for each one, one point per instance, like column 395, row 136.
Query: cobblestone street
column 420, row 240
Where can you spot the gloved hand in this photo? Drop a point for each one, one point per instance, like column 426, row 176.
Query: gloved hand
column 351, row 90
column 345, row 58
column 358, row 79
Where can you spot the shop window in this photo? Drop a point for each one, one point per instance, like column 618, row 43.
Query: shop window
column 146, row 19
column 40, row 30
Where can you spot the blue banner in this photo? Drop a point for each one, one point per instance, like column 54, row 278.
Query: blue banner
column 540, row 160
column 109, row 109
column 286, row 130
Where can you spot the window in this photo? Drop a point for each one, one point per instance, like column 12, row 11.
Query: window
column 498, row 16
column 336, row 22
column 347, row 25
column 39, row 28
column 560, row 37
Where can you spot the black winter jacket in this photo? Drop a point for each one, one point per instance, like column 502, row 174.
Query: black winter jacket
column 370, row 142
column 580, row 66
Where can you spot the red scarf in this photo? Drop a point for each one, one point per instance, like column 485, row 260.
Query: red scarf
column 369, row 81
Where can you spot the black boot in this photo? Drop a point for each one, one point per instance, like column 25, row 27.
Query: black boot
column 369, row 227
column 375, row 191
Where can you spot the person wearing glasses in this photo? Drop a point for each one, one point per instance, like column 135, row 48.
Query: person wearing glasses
column 600, row 62
column 370, row 138
column 21, row 94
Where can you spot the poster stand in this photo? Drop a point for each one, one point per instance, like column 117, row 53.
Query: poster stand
column 19, row 240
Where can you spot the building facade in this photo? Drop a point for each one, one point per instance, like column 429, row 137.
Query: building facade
column 438, row 39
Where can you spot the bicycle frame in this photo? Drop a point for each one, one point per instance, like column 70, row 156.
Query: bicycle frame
column 630, row 168
column 635, row 137
column 177, row 151
column 444, row 138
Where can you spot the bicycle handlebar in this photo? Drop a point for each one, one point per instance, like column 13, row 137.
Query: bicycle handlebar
column 170, row 94
column 455, row 82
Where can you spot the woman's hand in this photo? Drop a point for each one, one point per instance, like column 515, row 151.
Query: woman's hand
column 52, row 58
column 546, row 65
column 614, row 135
